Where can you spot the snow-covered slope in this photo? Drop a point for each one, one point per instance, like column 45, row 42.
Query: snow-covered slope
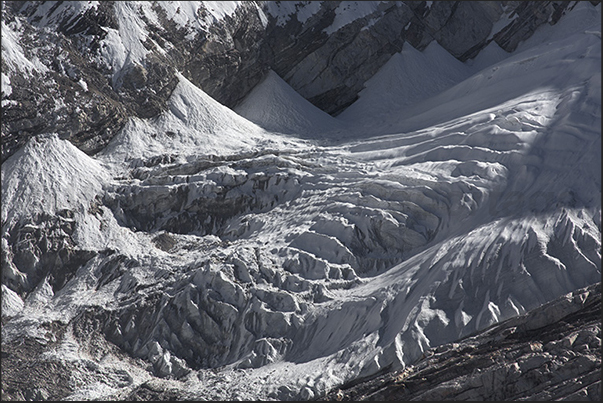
column 538, row 64
column 275, row 106
column 194, row 125
column 46, row 176
column 235, row 262
column 408, row 77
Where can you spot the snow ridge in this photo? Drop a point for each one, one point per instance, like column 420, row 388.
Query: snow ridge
column 49, row 175
column 194, row 124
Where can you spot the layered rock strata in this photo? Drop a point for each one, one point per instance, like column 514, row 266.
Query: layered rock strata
column 550, row 353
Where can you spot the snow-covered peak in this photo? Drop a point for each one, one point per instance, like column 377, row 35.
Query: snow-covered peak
column 49, row 175
column 194, row 124
column 277, row 107
column 433, row 83
column 408, row 77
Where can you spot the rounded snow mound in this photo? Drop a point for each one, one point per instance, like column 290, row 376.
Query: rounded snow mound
column 194, row 124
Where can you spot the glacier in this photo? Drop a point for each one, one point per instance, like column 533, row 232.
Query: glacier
column 275, row 252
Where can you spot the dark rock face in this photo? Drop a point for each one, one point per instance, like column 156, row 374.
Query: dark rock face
column 42, row 248
column 550, row 353
column 226, row 61
column 330, row 69
column 56, row 101
column 461, row 26
column 85, row 100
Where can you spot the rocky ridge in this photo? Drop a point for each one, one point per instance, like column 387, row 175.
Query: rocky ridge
column 90, row 77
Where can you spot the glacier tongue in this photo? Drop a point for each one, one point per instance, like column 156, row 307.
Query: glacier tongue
column 217, row 252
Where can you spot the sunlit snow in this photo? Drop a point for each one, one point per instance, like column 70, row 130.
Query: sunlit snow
column 449, row 197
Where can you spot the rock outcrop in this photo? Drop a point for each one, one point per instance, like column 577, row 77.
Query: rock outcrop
column 91, row 75
column 342, row 44
column 105, row 63
column 551, row 353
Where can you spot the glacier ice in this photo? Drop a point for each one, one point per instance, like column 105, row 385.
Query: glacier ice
column 202, row 240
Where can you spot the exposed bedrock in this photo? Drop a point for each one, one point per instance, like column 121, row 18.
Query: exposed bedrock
column 90, row 77
column 552, row 352
column 87, row 83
